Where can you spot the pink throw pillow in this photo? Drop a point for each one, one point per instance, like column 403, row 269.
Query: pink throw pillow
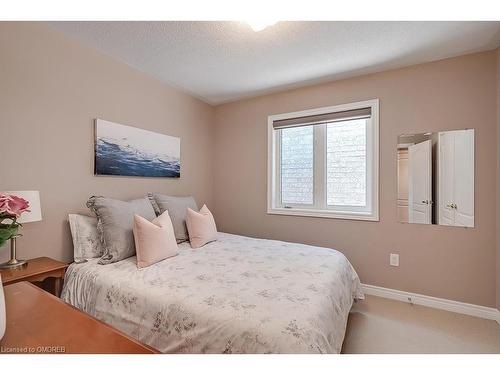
column 154, row 240
column 201, row 227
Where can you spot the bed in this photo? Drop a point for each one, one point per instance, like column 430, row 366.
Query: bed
column 234, row 295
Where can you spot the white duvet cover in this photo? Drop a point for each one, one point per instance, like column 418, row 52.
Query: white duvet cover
column 235, row 295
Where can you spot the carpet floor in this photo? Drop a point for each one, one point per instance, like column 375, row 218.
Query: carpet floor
column 379, row 325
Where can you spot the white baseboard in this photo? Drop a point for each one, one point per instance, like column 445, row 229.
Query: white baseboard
column 437, row 303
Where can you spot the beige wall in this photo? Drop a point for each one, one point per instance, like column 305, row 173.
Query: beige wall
column 446, row 262
column 52, row 88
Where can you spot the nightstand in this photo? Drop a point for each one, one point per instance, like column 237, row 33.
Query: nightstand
column 37, row 270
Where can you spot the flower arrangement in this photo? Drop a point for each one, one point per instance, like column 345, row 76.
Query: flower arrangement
column 11, row 208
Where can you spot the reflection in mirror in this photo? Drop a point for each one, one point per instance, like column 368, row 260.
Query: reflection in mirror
column 436, row 178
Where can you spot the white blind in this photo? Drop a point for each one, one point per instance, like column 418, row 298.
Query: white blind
column 324, row 118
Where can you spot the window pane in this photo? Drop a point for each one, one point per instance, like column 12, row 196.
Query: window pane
column 297, row 164
column 346, row 163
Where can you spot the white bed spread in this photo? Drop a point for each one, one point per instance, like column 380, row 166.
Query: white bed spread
column 235, row 295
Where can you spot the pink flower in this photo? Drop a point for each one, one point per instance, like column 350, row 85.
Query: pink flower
column 12, row 205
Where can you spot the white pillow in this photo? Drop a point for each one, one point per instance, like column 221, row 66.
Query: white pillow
column 86, row 241
column 201, row 227
column 154, row 240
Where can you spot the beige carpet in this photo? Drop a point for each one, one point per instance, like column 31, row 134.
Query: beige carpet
column 379, row 325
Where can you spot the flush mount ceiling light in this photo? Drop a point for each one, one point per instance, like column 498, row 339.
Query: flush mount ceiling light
column 259, row 25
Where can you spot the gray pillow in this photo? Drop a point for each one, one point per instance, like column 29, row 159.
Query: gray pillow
column 86, row 240
column 177, row 210
column 115, row 225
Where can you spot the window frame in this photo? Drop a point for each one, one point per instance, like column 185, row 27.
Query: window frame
column 319, row 208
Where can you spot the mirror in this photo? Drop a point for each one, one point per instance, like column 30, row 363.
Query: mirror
column 436, row 178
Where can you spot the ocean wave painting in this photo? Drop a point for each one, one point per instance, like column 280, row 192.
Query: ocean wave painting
column 122, row 150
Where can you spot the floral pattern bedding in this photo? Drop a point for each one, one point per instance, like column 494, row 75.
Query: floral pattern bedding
column 234, row 295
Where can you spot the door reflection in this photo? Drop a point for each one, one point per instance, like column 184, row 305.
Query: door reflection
column 436, row 178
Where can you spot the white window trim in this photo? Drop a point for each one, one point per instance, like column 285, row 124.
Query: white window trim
column 307, row 210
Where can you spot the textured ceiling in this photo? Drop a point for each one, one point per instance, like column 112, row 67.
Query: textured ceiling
column 224, row 61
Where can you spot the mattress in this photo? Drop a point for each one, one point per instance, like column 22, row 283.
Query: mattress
column 234, row 295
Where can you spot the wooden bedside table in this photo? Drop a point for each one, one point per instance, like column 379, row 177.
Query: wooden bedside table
column 37, row 270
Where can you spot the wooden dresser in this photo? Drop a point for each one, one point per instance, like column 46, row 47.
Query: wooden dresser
column 38, row 322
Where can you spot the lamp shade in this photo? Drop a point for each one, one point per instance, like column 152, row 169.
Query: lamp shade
column 33, row 197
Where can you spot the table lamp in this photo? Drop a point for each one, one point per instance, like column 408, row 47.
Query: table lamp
column 34, row 214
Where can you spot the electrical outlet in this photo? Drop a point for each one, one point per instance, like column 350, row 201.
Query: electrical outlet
column 394, row 260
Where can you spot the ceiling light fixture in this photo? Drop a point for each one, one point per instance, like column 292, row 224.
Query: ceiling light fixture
column 259, row 25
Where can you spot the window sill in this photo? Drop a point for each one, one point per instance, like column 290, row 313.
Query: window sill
column 324, row 214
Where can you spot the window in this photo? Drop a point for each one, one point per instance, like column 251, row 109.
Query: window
column 297, row 165
column 324, row 162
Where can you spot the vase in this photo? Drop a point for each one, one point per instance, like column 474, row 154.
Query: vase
column 7, row 231
column 3, row 318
